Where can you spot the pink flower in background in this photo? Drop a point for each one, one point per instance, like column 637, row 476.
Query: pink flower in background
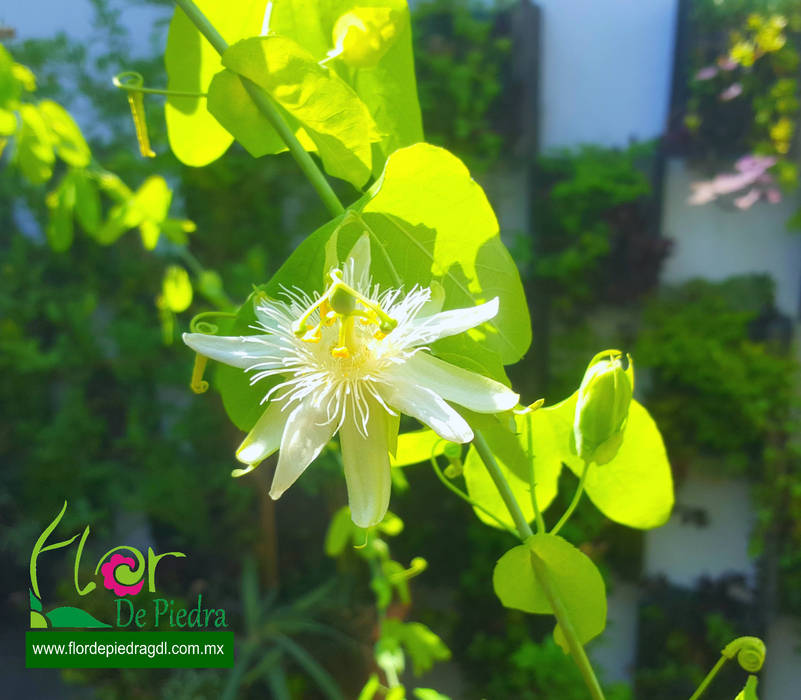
column 751, row 172
column 109, row 580
column 706, row 73
column 734, row 90
column 725, row 63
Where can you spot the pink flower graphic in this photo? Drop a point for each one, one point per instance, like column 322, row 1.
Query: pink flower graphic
column 109, row 580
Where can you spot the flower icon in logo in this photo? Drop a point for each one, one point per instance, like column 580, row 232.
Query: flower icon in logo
column 121, row 567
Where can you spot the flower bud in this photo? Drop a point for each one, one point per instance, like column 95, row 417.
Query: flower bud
column 363, row 35
column 602, row 408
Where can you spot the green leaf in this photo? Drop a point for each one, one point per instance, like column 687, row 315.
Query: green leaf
column 68, row 139
column 61, row 203
column 512, row 446
column 339, row 532
column 388, row 89
column 87, row 202
column 636, row 487
column 429, row 222
column 73, row 617
column 196, row 138
column 8, row 122
column 429, row 694
column 36, row 604
column 330, row 112
column 417, row 446
column 34, row 146
column 149, row 208
column 423, row 646
column 230, row 103
column 241, row 400
column 572, row 574
column 176, row 289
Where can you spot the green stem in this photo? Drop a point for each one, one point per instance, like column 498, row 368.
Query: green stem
column 539, row 568
column 532, row 482
column 574, row 502
column 562, row 617
column 465, row 497
column 502, row 485
column 709, row 678
column 269, row 109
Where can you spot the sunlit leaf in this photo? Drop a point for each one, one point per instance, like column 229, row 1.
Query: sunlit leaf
column 176, row 289
column 572, row 574
column 636, row 487
column 195, row 136
column 329, row 111
column 339, row 532
column 388, row 88
column 512, row 447
column 68, row 140
column 35, row 154
column 417, row 446
column 8, row 122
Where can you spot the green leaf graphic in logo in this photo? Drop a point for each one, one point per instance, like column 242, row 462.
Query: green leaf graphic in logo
column 38, row 621
column 36, row 604
column 68, row 616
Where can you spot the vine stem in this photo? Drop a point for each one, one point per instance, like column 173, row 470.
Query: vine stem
column 270, row 110
column 574, row 502
column 539, row 568
column 709, row 678
column 532, row 480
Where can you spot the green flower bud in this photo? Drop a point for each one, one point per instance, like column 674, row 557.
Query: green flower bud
column 363, row 35
column 602, row 408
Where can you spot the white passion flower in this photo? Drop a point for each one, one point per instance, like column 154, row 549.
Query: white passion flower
column 351, row 360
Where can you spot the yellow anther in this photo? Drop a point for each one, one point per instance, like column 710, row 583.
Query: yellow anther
column 340, row 351
column 313, row 335
column 378, row 335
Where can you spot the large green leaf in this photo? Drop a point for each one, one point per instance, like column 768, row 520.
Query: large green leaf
column 195, row 136
column 67, row 137
column 87, row 201
column 429, row 221
column 636, row 487
column 572, row 574
column 512, row 447
column 330, row 112
column 388, row 88
column 417, row 446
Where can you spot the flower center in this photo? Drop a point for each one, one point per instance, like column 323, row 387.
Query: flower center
column 341, row 304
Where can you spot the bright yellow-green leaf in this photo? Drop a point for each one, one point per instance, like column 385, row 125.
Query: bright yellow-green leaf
column 176, row 289
column 34, row 146
column 8, row 122
column 68, row 139
column 636, row 487
column 434, row 222
column 417, row 446
column 330, row 112
column 389, row 88
column 60, row 224
column 230, row 103
column 195, row 136
column 572, row 574
column 149, row 208
column 512, row 450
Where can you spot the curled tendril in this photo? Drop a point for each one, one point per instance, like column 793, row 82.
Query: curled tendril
column 750, row 652
column 199, row 325
column 132, row 82
column 197, row 384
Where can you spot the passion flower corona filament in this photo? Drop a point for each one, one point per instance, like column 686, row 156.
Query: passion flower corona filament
column 350, row 361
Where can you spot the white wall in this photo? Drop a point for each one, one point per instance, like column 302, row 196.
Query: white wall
column 606, row 70
column 715, row 241
column 683, row 552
